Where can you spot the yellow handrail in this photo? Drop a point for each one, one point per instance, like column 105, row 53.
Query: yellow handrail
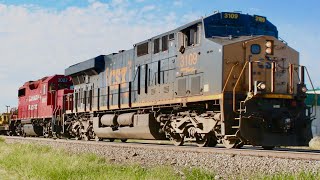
column 315, row 93
column 225, row 84
column 235, row 86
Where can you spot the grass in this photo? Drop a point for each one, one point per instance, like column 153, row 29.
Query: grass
column 30, row 161
column 27, row 161
column 288, row 176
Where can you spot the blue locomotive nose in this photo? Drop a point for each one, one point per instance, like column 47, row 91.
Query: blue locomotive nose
column 226, row 24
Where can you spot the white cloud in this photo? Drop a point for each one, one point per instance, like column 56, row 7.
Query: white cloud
column 119, row 2
column 37, row 42
column 178, row 3
column 148, row 8
column 97, row 5
column 254, row 10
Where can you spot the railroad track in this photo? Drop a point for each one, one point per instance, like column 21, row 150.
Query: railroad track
column 285, row 153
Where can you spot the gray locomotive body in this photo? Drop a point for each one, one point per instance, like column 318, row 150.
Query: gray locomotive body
column 223, row 78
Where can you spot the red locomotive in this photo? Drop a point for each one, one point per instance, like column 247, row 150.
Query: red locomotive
column 40, row 105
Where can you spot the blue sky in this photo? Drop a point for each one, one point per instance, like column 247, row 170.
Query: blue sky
column 42, row 37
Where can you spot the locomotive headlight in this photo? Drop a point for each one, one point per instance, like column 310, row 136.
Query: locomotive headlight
column 268, row 44
column 269, row 47
column 261, row 86
column 268, row 50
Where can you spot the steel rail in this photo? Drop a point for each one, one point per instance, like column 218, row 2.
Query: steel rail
column 282, row 153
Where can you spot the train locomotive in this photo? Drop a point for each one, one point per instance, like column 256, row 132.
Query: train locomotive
column 4, row 123
column 40, row 106
column 225, row 78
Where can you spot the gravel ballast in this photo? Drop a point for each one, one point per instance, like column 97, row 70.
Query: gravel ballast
column 225, row 166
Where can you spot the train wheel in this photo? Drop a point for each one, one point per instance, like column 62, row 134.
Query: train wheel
column 267, row 147
column 111, row 139
column 239, row 145
column 85, row 138
column 98, row 139
column 45, row 133
column 19, row 130
column 177, row 139
column 229, row 143
column 90, row 133
column 124, row 140
column 212, row 142
column 59, row 135
column 202, row 140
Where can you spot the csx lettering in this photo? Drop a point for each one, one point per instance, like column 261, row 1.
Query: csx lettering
column 188, row 60
column 118, row 74
column 231, row 16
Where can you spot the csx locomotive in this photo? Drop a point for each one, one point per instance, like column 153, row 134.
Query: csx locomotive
column 225, row 78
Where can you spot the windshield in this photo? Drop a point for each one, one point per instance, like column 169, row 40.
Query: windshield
column 235, row 24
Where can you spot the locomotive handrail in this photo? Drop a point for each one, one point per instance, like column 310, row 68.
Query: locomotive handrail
column 229, row 75
column 235, row 86
column 315, row 94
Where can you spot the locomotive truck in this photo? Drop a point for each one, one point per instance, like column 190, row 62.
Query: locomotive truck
column 225, row 78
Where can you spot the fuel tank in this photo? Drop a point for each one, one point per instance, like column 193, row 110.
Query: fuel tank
column 31, row 130
column 140, row 126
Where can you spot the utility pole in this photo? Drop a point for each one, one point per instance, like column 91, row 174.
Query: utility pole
column 7, row 108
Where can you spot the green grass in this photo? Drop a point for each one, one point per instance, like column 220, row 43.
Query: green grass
column 27, row 161
column 30, row 161
column 288, row 176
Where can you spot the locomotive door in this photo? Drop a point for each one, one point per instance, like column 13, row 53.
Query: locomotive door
column 88, row 97
column 195, row 84
column 181, row 86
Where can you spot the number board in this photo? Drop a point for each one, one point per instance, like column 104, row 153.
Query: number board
column 232, row 16
column 62, row 80
column 259, row 19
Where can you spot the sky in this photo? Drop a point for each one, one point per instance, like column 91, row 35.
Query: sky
column 43, row 37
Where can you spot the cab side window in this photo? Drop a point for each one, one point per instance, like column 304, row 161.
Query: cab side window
column 165, row 43
column 190, row 36
column 142, row 49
